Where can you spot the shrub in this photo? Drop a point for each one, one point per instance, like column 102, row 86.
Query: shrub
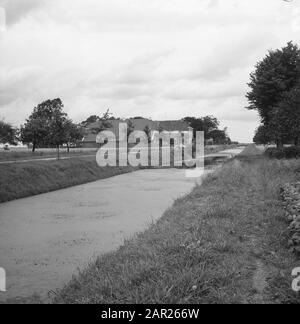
column 292, row 152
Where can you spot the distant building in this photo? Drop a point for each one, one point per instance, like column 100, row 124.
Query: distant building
column 89, row 140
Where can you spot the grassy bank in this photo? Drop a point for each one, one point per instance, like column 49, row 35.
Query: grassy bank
column 223, row 243
column 14, row 155
column 21, row 180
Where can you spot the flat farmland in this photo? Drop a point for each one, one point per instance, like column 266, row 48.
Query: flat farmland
column 16, row 154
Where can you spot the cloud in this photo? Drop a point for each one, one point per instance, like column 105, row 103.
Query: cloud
column 16, row 82
column 17, row 9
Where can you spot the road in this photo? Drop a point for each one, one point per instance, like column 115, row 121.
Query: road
column 44, row 239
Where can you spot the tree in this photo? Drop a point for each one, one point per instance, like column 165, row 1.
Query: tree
column 48, row 125
column 220, row 137
column 130, row 127
column 263, row 135
column 60, row 129
column 206, row 124
column 57, row 130
column 37, row 126
column 147, row 131
column 276, row 75
column 92, row 119
column 74, row 133
column 210, row 124
column 7, row 133
column 34, row 131
column 287, row 117
column 103, row 123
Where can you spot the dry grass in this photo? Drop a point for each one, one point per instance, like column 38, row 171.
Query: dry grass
column 206, row 248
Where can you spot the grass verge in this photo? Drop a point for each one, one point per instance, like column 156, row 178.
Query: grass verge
column 20, row 180
column 223, row 243
column 24, row 179
column 43, row 154
column 51, row 153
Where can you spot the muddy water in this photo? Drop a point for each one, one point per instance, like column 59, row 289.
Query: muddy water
column 46, row 238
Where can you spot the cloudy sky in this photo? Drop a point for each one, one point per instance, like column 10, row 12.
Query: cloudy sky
column 163, row 59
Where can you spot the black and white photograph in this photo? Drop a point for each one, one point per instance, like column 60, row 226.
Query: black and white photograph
column 149, row 155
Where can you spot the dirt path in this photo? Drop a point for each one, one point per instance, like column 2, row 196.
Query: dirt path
column 46, row 238
column 259, row 282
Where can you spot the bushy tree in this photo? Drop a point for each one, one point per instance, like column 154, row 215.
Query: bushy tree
column 74, row 133
column 130, row 127
column 263, row 135
column 274, row 81
column 272, row 90
column 49, row 125
column 220, row 137
column 57, row 127
column 148, row 131
column 287, row 117
column 90, row 120
column 37, row 126
column 7, row 133
column 206, row 124
column 103, row 123
column 276, row 74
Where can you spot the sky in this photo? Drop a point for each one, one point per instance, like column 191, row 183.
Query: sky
column 164, row 59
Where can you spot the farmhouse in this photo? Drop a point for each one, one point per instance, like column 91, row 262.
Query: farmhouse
column 89, row 140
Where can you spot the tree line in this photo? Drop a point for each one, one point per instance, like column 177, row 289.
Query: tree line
column 49, row 126
column 275, row 94
column 8, row 133
column 210, row 126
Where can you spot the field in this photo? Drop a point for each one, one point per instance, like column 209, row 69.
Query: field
column 226, row 242
column 16, row 154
